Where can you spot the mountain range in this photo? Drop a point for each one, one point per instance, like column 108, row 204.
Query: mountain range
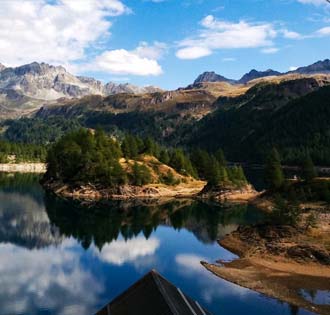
column 27, row 87
column 317, row 67
column 289, row 111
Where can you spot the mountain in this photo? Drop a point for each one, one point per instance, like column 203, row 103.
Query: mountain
column 27, row 87
column 211, row 77
column 254, row 74
column 2, row 67
column 317, row 67
column 291, row 115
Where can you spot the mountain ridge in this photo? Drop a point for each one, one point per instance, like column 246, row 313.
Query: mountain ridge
column 321, row 66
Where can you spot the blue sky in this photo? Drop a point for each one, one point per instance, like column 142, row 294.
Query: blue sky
column 165, row 43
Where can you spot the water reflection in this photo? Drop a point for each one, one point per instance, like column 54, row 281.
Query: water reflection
column 104, row 223
column 57, row 257
column 320, row 297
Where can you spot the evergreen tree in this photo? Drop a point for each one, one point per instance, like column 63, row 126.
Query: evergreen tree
column 164, row 156
column 220, row 156
column 274, row 176
column 308, row 169
column 141, row 174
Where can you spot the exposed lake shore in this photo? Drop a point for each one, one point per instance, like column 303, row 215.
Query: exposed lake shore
column 23, row 168
column 282, row 262
column 191, row 189
column 124, row 192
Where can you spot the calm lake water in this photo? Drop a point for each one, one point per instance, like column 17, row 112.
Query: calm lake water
column 59, row 258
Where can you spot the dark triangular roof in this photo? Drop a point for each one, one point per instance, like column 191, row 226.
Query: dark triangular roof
column 153, row 295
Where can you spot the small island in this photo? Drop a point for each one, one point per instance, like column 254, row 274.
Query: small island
column 88, row 164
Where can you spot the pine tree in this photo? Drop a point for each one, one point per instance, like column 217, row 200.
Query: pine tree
column 220, row 156
column 274, row 176
column 308, row 169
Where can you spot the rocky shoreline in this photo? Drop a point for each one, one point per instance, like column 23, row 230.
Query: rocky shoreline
column 246, row 193
column 123, row 192
column 23, row 168
column 195, row 189
column 280, row 262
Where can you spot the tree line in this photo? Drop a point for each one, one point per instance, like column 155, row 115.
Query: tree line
column 19, row 152
column 289, row 193
column 86, row 156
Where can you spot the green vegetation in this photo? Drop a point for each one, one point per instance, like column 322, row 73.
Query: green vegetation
column 81, row 156
column 86, row 157
column 133, row 146
column 308, row 188
column 247, row 133
column 308, row 169
column 38, row 131
column 214, row 169
column 17, row 152
column 273, row 171
column 285, row 212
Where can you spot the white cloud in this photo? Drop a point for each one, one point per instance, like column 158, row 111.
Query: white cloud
column 120, row 252
column 123, row 62
column 270, row 50
column 291, row 35
column 155, row 51
column 193, row 52
column 55, row 32
column 217, row 34
column 325, row 31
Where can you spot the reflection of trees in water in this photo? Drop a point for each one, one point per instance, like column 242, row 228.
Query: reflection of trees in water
column 25, row 184
column 102, row 224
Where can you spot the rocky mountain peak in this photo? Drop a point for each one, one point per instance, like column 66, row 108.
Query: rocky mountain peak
column 211, row 76
column 255, row 74
column 317, row 67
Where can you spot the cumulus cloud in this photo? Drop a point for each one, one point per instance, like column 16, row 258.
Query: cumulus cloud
column 55, row 32
column 121, row 252
column 325, row 31
column 217, row 34
column 141, row 61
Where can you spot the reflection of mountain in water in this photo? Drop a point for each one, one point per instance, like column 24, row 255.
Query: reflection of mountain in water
column 103, row 224
column 23, row 219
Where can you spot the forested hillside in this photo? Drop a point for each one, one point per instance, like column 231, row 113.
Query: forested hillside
column 288, row 113
column 247, row 133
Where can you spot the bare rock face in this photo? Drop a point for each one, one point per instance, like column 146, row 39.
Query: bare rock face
column 254, row 74
column 37, row 83
column 317, row 67
column 211, row 77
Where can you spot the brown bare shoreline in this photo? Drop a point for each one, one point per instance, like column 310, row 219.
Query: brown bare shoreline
column 191, row 189
column 280, row 262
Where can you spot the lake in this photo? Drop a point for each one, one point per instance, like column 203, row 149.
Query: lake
column 58, row 257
